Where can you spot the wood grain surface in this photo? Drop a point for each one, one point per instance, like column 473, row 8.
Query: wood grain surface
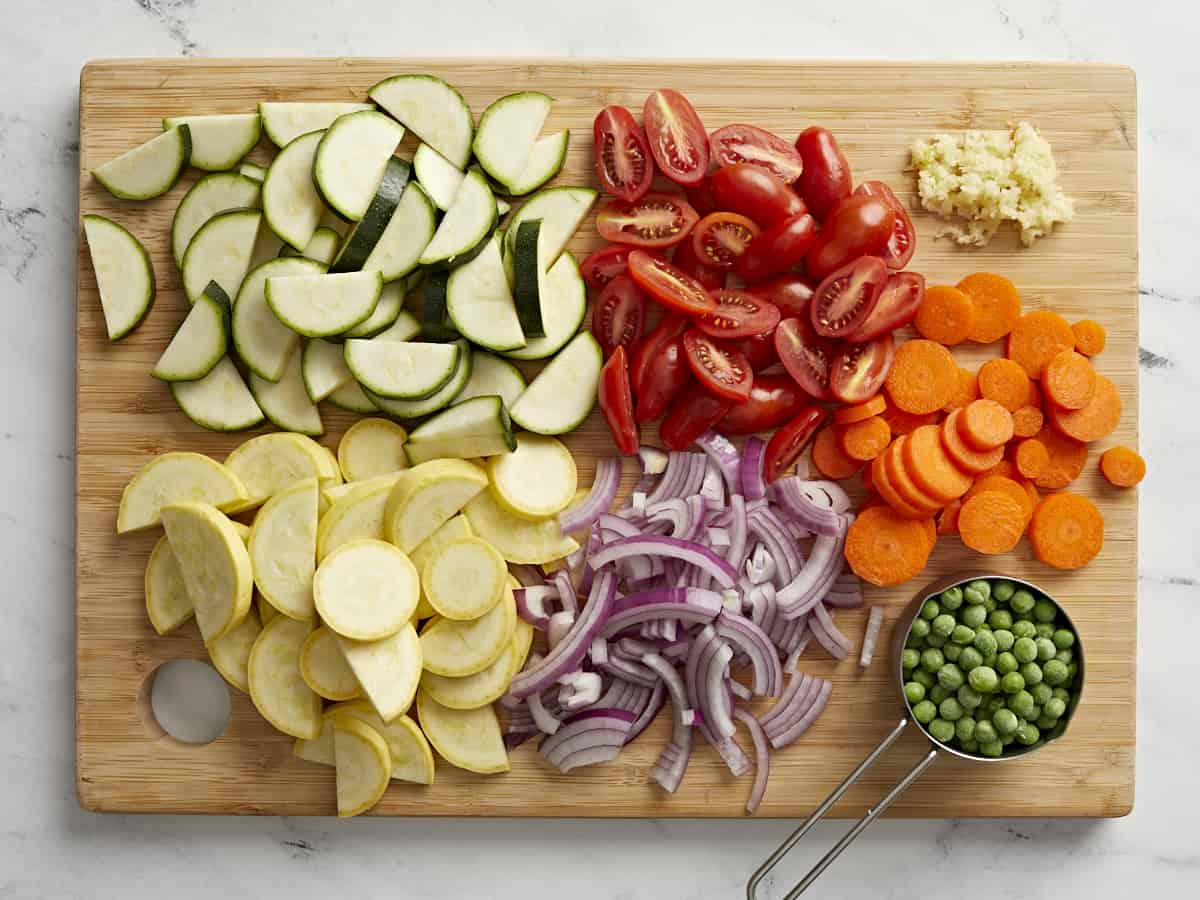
column 126, row 763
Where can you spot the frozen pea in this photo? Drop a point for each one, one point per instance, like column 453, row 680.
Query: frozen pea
column 925, row 711
column 985, row 731
column 964, row 728
column 1054, row 708
column 950, row 677
column 943, row 625
column 930, row 610
column 1031, row 672
column 976, row 592
column 932, row 660
column 1028, row 734
column 941, row 730
column 1055, row 672
column 1012, row 682
column 920, row 628
column 1006, row 739
column 1021, row 601
column 910, row 658
column 991, row 748
column 969, row 659
column 985, row 642
column 1072, row 671
column 951, row 652
column 990, row 604
column 951, row 598
column 1006, row 663
column 914, row 642
column 973, row 616
column 962, row 635
column 1043, row 630
column 951, row 710
column 936, row 641
column 983, row 679
column 1045, row 649
column 1046, row 722
column 969, row 697
column 1035, row 713
column 994, row 703
column 983, row 626
column 990, row 660
column 1004, row 639
column 1006, row 722
column 937, row 693
column 1023, row 628
column 968, row 746
column 1001, row 618
column 923, row 678
column 1044, row 611
column 914, row 692
column 1022, row 703
column 1025, row 650
column 1041, row 693
column 1063, row 639
column 1065, row 656
column 1002, row 590
column 1061, row 694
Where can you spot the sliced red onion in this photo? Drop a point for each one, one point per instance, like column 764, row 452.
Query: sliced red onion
column 718, row 538
column 598, row 652
column 749, row 639
column 762, row 758
column 741, row 691
column 828, row 493
column 845, row 592
column 697, row 465
column 795, row 712
column 598, row 499
column 580, row 690
column 827, row 634
column 722, row 452
column 793, row 636
column 696, row 510
column 669, row 769
column 760, row 567
column 637, row 502
column 687, row 551
column 793, row 498
column 793, row 660
column 792, row 696
column 712, row 488
column 532, row 603
column 674, row 511
column 529, row 576
column 805, row 590
column 870, row 636
column 673, row 479
column 691, row 605
column 769, row 529
column 754, row 485
column 734, row 756
column 558, row 627
column 613, row 527
column 815, row 709
column 653, row 460
column 588, row 737
column 717, row 711
column 546, row 721
column 667, row 629
column 649, row 703
column 566, row 591
column 739, row 531
column 633, row 648
column 627, row 670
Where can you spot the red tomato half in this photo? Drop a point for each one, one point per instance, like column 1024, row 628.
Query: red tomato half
column 700, row 195
column 623, row 162
column 896, row 307
column 859, row 226
column 777, row 249
column 692, row 415
column 646, row 351
column 656, row 220
column 826, row 177
column 616, row 402
column 726, row 373
column 663, row 380
column 677, row 137
column 751, row 144
column 859, row 370
column 754, row 192
column 618, row 315
column 721, row 237
column 774, row 399
column 789, row 442
column 846, row 299
column 759, row 350
column 686, row 260
column 791, row 293
column 672, row 287
column 739, row 314
column 605, row 264
column 805, row 356
column 903, row 243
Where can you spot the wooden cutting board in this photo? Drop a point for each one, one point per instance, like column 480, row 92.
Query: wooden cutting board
column 124, row 417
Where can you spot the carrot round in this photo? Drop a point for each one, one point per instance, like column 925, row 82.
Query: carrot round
column 865, row 440
column 1002, row 485
column 985, row 424
column 931, row 468
column 1005, row 382
column 1069, row 380
column 1004, row 468
column 1090, row 337
column 898, row 475
column 1031, row 490
column 1035, row 395
column 923, row 377
column 1122, row 466
column 1067, row 531
column 997, row 306
column 1031, row 457
column 885, row 548
column 848, row 415
column 991, row 522
column 947, row 520
column 829, row 458
column 902, row 422
column 1067, row 458
column 1037, row 338
column 946, row 315
column 1027, row 421
column 965, row 390
column 1097, row 420
column 888, row 493
column 970, row 460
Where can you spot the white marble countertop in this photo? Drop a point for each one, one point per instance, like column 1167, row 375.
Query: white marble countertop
column 50, row 848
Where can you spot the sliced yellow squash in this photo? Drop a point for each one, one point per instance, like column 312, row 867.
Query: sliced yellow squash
column 536, row 480
column 230, row 653
column 366, row 590
column 271, row 462
column 276, row 685
column 167, row 602
column 412, row 760
column 465, row 578
column 426, row 497
column 214, row 563
column 458, row 649
column 283, row 549
column 486, row 686
column 372, row 447
column 176, row 478
column 324, row 669
column 355, row 516
column 467, row 738
column 518, row 540
column 388, row 670
column 454, row 528
column 363, row 764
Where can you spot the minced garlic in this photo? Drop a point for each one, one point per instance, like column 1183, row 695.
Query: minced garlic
column 986, row 177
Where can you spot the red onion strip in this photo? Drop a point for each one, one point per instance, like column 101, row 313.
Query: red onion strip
column 762, row 758
column 870, row 636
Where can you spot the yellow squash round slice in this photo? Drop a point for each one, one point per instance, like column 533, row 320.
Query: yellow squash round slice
column 463, row 579
column 167, row 602
column 366, row 590
column 536, row 480
column 518, row 540
column 372, row 447
column 388, row 670
column 426, row 497
column 230, row 653
column 354, row 516
column 176, row 478
column 283, row 549
column 454, row 528
column 215, row 565
column 467, row 738
column 325, row 670
column 483, row 687
column 276, row 686
column 271, row 462
column 458, row 649
column 363, row 765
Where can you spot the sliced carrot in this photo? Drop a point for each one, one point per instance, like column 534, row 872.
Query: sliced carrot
column 931, row 467
column 991, row 522
column 931, row 531
column 829, row 458
column 885, row 548
column 865, row 440
column 1027, row 421
column 900, row 478
column 970, row 460
column 1069, row 380
column 1004, row 467
column 997, row 306
column 985, row 424
column 1122, row 466
column 946, row 315
column 1035, row 395
column 1097, row 420
column 1090, row 337
column 1034, row 497
column 1031, row 457
column 889, row 495
column 1005, row 382
column 1067, row 531
column 902, row 422
column 1067, row 458
column 966, row 390
column 1003, row 485
column 947, row 520
column 850, row 414
column 1037, row 338
column 923, row 376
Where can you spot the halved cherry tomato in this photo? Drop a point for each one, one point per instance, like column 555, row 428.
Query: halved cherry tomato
column 685, row 259
column 692, row 415
column 645, row 352
column 754, row 192
column 721, row 237
column 725, row 373
column 616, row 402
column 700, row 195
column 623, row 162
column 678, row 140
column 605, row 264
column 897, row 306
column 672, row 287
column 656, row 220
column 859, row 370
column 805, row 355
column 774, row 399
column 759, row 350
column 751, row 144
column 791, row 293
column 903, row 243
column 825, row 180
column 859, row 226
column 739, row 314
column 777, row 249
column 846, row 299
column 618, row 315
column 667, row 376
column 789, row 442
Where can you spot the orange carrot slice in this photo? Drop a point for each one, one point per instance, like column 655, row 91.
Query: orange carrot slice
column 1031, row 457
column 1005, row 382
column 1067, row 531
column 829, row 458
column 902, row 482
column 923, row 377
column 888, row 493
column 991, row 522
column 885, row 548
column 966, row 390
column 946, row 315
column 1067, row 458
column 1003, row 485
column 1027, row 421
column 1097, row 420
column 930, row 466
column 1069, row 380
column 1090, row 337
column 902, row 422
column 947, row 520
column 985, row 424
column 848, row 415
column 970, row 460
column 1122, row 466
column 1037, row 338
column 997, row 306
column 865, row 440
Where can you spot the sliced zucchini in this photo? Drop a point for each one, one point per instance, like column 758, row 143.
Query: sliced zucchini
column 362, row 763
column 253, row 171
column 493, row 375
column 464, row 579
column 457, row 649
column 481, row 415
column 426, row 496
column 283, row 548
column 323, row 305
column 437, row 175
column 150, row 169
column 219, row 142
column 433, row 110
column 518, row 540
column 528, row 272
column 502, row 207
column 124, row 275
column 545, row 161
column 408, row 233
column 485, row 687
column 563, row 394
column 562, row 296
column 366, row 232
column 286, row 402
column 352, row 398
column 466, row 226
column 466, row 738
column 173, row 478
column 387, row 311
column 167, row 602
column 351, row 159
column 372, row 447
column 435, row 324
column 401, row 370
column 212, row 194
column 356, row 516
column 268, row 246
column 220, row 401
column 472, row 446
column 322, row 247
column 507, row 132
column 323, row 368
column 366, row 590
column 263, row 342
column 405, row 328
column 388, row 670
column 276, row 685
column 290, row 201
column 214, row 563
column 536, row 480
column 284, row 122
column 269, row 463
column 220, row 251
column 479, row 303
column 200, row 341
column 561, row 209
column 325, row 670
column 439, row 399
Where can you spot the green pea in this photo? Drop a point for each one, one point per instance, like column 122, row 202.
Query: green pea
column 991, row 748
column 969, row 697
column 1065, row 656
column 1044, row 611
column 1023, row 628
column 1055, row 672
column 951, row 710
column 941, row 730
column 1002, row 589
column 913, row 642
column 910, row 658
column 994, row 704
column 1006, row 663
column 943, row 625
column 1072, row 671
column 986, row 642
column 930, row 610
column 1063, row 639
column 1035, row 713
column 1025, row 650
column 1001, row 618
column 962, row 635
column 1032, row 673
column 990, row 604
column 1043, row 630
column 1045, row 649
column 969, row 659
column 1006, row 739
column 951, row 677
column 937, row 693
column 951, row 652
column 985, row 732
column 983, row 626
column 1006, row 721
column 1021, row 703
column 1041, row 693
column 1004, row 639
column 1046, row 722
column 1061, row 694
column 951, row 598
column 925, row 711
column 968, row 746
column 914, row 692
column 920, row 628
column 923, row 678
column 1028, row 734
column 1012, row 682
column 980, row 586
column 973, row 616
column 1021, row 601
column 936, row 641
column 932, row 660
column 990, row 660
column 983, row 679
column 964, row 728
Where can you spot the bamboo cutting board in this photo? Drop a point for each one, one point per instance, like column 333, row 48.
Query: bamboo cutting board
column 126, row 763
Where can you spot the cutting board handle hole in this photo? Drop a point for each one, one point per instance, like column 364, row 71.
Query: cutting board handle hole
column 185, row 700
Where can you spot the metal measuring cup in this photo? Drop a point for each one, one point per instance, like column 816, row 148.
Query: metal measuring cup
column 899, row 636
